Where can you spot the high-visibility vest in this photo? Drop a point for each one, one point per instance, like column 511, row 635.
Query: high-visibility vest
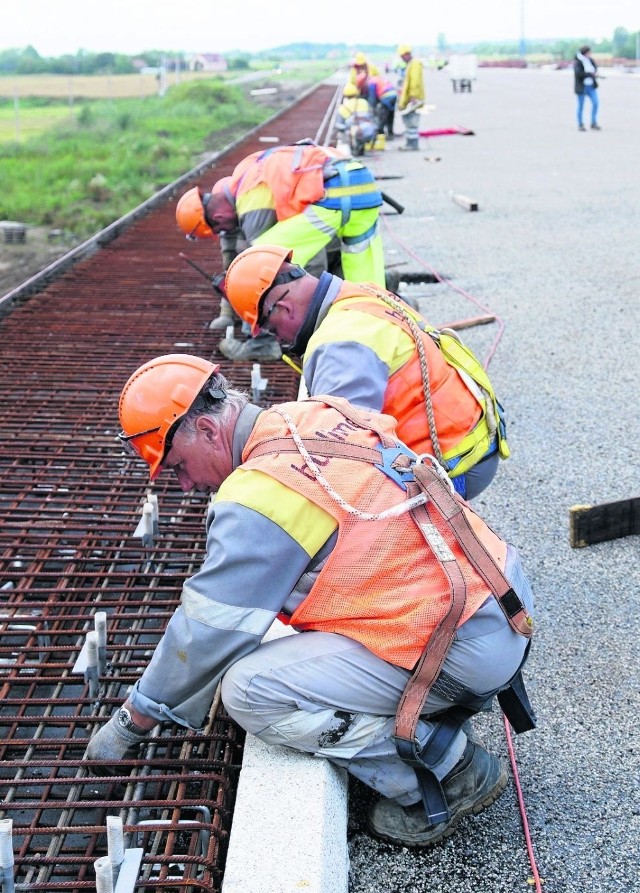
column 467, row 415
column 381, row 585
column 382, row 87
column 300, row 175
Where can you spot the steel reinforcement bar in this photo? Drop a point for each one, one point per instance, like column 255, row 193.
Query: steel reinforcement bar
column 72, row 548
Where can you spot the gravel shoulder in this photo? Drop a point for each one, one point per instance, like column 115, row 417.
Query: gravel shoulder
column 552, row 253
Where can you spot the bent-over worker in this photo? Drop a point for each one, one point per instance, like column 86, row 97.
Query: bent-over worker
column 362, row 343
column 319, row 519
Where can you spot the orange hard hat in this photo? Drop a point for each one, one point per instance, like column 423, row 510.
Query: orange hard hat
column 157, row 396
column 250, row 276
column 190, row 215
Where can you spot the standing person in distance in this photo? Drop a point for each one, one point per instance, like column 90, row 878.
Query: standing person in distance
column 411, row 97
column 586, row 85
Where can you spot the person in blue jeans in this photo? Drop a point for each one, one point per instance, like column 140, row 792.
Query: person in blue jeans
column 586, row 84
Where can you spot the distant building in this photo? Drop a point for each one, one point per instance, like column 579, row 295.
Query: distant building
column 207, row 62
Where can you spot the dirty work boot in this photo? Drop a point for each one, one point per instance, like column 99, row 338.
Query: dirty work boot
column 227, row 316
column 260, row 349
column 410, row 146
column 473, row 784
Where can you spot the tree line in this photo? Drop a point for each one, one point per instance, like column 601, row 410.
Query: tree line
column 623, row 44
column 27, row 60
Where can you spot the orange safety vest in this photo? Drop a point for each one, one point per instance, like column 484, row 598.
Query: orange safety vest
column 293, row 174
column 381, row 585
column 382, row 86
column 456, row 410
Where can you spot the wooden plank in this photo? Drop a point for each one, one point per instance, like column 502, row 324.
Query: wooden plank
column 468, row 323
column 589, row 524
column 465, row 202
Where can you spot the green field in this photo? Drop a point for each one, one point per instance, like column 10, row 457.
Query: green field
column 25, row 122
column 93, row 160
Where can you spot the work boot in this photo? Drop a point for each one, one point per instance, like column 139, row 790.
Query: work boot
column 228, row 316
column 410, row 146
column 392, row 280
column 474, row 783
column 263, row 348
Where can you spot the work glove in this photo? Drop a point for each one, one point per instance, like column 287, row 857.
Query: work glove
column 217, row 283
column 111, row 744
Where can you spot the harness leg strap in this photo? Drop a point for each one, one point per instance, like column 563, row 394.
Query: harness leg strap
column 515, row 702
column 424, row 760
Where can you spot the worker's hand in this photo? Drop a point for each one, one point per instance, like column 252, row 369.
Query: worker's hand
column 217, row 283
column 111, row 744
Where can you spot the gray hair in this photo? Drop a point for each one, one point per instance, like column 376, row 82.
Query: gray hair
column 216, row 400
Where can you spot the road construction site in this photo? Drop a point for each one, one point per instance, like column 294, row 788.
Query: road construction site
column 520, row 231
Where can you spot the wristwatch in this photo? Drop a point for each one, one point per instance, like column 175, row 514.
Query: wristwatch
column 125, row 722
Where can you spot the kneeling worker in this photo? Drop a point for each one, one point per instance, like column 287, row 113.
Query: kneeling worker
column 354, row 527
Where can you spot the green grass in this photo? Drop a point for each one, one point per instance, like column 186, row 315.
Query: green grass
column 103, row 158
column 29, row 122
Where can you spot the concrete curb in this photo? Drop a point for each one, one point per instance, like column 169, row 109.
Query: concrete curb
column 289, row 830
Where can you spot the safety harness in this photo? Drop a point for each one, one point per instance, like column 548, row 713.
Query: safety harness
column 425, row 484
column 491, row 426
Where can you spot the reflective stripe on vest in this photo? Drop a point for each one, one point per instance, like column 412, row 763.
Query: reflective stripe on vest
column 353, row 189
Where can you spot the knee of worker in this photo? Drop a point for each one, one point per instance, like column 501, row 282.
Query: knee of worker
column 249, row 696
column 364, row 261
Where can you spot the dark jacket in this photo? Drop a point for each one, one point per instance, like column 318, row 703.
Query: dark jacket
column 579, row 75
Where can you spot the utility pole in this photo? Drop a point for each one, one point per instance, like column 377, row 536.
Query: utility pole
column 16, row 110
column 523, row 45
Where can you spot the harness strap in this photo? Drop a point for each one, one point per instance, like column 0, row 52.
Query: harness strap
column 452, row 511
column 345, row 198
column 430, row 664
column 431, row 482
column 515, row 702
column 367, row 235
column 446, row 728
column 317, row 445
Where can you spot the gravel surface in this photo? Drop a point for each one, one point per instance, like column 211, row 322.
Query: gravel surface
column 552, row 252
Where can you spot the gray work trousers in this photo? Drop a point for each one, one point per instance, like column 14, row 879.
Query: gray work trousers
column 327, row 695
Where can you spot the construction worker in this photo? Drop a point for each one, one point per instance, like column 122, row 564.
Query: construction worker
column 382, row 97
column 354, row 120
column 361, row 65
column 411, row 98
column 290, row 535
column 367, row 345
column 309, row 198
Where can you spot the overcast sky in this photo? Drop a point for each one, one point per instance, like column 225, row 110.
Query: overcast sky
column 55, row 27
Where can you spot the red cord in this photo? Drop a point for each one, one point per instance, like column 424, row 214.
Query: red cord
column 455, row 288
column 523, row 812
column 507, row 728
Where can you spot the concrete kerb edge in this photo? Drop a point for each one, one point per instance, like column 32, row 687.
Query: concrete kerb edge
column 289, row 828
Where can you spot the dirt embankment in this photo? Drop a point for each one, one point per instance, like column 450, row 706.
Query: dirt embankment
column 19, row 260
